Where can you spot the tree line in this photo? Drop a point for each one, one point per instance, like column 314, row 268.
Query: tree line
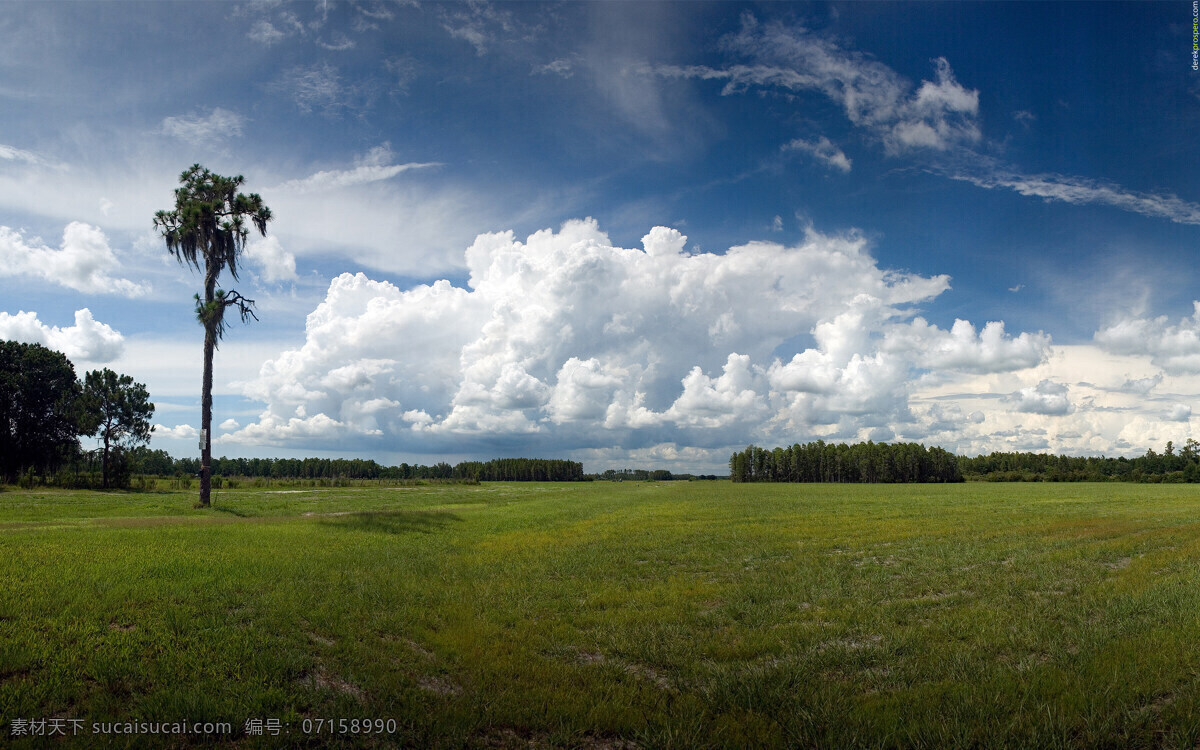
column 1171, row 465
column 868, row 462
column 162, row 464
column 45, row 410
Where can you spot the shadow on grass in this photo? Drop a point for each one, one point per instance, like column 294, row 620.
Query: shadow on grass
column 393, row 521
column 231, row 510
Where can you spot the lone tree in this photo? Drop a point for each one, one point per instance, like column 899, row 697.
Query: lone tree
column 207, row 230
column 119, row 412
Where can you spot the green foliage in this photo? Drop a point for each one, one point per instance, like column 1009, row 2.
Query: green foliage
column 862, row 462
column 119, row 414
column 160, row 463
column 207, row 228
column 1172, row 466
column 39, row 409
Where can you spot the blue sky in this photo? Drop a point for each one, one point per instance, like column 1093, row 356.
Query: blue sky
column 627, row 233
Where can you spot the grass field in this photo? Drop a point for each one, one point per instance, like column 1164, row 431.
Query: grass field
column 649, row 615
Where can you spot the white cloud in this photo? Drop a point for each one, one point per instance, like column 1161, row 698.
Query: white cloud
column 88, row 340
column 479, row 23
column 205, row 130
column 1045, row 398
column 1174, row 348
column 275, row 263
column 560, row 67
column 340, row 178
column 940, row 118
column 938, row 115
column 83, row 262
column 265, row 32
column 565, row 341
column 178, row 432
column 317, row 87
column 823, row 150
column 1080, row 191
column 229, row 424
column 11, row 153
column 1142, row 386
column 992, row 350
column 1179, row 413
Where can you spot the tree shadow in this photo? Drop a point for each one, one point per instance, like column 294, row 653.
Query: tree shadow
column 393, row 521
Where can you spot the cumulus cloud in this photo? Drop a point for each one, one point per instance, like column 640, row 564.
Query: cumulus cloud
column 1046, row 397
column 88, row 340
column 204, row 130
column 1142, row 386
column 84, row 260
column 1174, row 348
column 178, row 432
column 823, row 150
column 275, row 263
column 566, row 341
column 1179, row 413
column 960, row 348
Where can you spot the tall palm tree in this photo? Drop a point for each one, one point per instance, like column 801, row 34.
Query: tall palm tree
column 207, row 230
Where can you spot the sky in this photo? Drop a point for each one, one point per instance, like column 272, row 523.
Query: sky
column 629, row 234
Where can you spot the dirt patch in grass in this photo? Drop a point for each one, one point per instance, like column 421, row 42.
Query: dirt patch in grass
column 322, row 680
column 439, row 685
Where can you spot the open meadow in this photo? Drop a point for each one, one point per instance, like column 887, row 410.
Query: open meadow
column 600, row 615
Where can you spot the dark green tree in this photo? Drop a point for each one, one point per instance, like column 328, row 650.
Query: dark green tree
column 39, row 409
column 117, row 411
column 207, row 230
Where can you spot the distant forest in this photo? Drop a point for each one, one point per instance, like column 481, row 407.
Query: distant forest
column 910, row 462
column 1172, row 465
column 160, row 463
column 862, row 462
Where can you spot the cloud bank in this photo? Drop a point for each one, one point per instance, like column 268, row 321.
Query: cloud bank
column 566, row 342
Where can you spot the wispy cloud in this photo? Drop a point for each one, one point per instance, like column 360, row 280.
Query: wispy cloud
column 264, row 31
column 560, row 67
column 823, row 150
column 12, row 153
column 937, row 115
column 316, row 87
column 204, row 130
column 1082, row 191
column 370, row 167
column 938, row 120
column 479, row 24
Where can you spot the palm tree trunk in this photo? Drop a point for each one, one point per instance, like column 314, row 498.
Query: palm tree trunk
column 210, row 343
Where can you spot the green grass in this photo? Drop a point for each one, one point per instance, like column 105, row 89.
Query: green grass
column 650, row 615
